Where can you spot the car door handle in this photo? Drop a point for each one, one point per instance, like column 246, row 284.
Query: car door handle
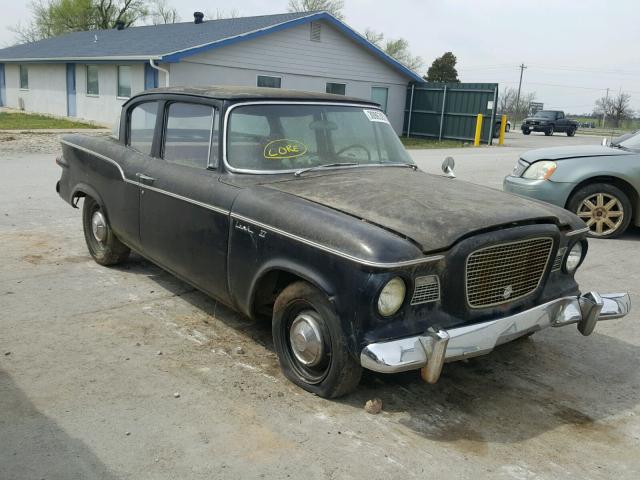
column 146, row 179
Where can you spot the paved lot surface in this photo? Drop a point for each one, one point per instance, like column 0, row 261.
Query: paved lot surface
column 90, row 359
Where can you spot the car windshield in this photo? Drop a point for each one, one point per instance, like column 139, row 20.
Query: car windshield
column 291, row 137
column 632, row 143
column 545, row 114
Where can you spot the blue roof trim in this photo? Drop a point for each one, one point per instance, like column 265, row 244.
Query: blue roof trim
column 355, row 36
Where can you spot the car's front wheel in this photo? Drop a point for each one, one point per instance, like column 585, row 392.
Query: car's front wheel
column 311, row 344
column 549, row 131
column 604, row 208
column 103, row 245
column 526, row 131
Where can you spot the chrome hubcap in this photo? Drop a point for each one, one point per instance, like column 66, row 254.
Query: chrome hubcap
column 602, row 212
column 306, row 339
column 99, row 226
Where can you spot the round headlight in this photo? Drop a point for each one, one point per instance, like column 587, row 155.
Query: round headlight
column 540, row 170
column 573, row 258
column 391, row 297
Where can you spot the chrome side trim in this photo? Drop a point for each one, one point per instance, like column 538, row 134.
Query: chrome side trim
column 110, row 160
column 364, row 104
column 184, row 199
column 481, row 338
column 144, row 186
column 368, row 263
column 577, row 232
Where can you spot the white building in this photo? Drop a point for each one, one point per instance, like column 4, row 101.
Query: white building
column 90, row 75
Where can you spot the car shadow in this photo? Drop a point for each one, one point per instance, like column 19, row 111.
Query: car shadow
column 525, row 388
column 34, row 446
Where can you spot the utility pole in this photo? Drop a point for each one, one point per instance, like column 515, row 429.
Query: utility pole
column 604, row 108
column 522, row 67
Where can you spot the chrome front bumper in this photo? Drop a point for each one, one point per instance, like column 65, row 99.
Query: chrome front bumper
column 431, row 350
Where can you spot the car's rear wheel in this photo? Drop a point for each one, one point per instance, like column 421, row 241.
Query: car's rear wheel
column 549, row 131
column 571, row 132
column 604, row 208
column 311, row 344
column 103, row 245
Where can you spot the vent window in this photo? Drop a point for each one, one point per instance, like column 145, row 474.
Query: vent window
column 316, row 31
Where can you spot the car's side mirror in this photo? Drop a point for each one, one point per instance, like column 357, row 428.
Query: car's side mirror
column 448, row 166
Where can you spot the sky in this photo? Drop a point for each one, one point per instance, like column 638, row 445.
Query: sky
column 574, row 50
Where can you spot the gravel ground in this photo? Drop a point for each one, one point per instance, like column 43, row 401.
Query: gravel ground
column 91, row 360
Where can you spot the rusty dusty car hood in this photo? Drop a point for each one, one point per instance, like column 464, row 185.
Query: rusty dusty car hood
column 431, row 210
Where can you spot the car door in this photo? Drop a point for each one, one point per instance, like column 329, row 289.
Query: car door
column 561, row 122
column 184, row 209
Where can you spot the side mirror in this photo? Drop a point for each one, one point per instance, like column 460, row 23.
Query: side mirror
column 448, row 166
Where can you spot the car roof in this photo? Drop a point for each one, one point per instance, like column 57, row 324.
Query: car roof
column 235, row 93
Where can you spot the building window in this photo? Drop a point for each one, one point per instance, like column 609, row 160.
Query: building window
column 271, row 82
column 93, row 87
column 380, row 95
column 316, row 31
column 336, row 88
column 188, row 134
column 124, row 81
column 24, row 77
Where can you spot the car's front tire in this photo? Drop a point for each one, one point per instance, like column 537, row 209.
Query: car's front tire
column 526, row 131
column 311, row 344
column 549, row 131
column 103, row 245
column 605, row 209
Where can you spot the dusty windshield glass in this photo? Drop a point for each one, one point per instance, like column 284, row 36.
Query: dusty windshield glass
column 545, row 114
column 277, row 138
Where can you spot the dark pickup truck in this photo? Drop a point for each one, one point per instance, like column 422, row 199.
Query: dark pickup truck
column 549, row 121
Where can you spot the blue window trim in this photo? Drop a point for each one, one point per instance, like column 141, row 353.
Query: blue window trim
column 176, row 57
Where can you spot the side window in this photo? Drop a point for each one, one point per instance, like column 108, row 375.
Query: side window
column 380, row 95
column 188, row 134
column 560, row 115
column 93, row 86
column 271, row 82
column 24, row 77
column 142, row 123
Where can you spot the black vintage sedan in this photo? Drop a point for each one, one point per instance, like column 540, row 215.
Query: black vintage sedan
column 305, row 208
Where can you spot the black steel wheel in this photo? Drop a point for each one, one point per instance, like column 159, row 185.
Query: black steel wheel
column 311, row 344
column 605, row 209
column 103, row 245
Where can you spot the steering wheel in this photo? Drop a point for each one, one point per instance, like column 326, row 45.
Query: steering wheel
column 355, row 145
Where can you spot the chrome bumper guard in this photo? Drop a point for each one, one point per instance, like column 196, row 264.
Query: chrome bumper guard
column 431, row 350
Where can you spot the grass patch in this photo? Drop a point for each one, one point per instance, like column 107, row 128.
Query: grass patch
column 419, row 142
column 28, row 121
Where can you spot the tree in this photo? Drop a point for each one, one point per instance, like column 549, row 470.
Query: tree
column 220, row 14
column 443, row 69
column 334, row 7
column 50, row 18
column 398, row 49
column 507, row 102
column 162, row 13
column 616, row 108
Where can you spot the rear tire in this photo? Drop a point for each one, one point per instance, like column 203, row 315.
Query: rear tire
column 571, row 132
column 103, row 245
column 316, row 356
column 605, row 209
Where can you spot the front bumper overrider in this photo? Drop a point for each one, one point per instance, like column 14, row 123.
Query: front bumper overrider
column 435, row 347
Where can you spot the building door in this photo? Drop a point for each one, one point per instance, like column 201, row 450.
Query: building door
column 71, row 89
column 150, row 77
column 380, row 95
column 3, row 95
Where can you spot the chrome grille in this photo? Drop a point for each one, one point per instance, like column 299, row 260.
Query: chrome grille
column 427, row 289
column 506, row 272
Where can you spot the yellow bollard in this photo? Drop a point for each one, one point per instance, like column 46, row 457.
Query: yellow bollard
column 476, row 141
column 503, row 126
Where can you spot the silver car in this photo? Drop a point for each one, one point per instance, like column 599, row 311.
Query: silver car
column 600, row 184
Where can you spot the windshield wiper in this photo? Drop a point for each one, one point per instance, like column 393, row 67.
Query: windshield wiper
column 297, row 173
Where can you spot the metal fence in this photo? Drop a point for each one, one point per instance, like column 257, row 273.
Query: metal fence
column 450, row 110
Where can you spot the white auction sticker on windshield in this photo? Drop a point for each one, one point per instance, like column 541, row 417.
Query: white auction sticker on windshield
column 376, row 116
